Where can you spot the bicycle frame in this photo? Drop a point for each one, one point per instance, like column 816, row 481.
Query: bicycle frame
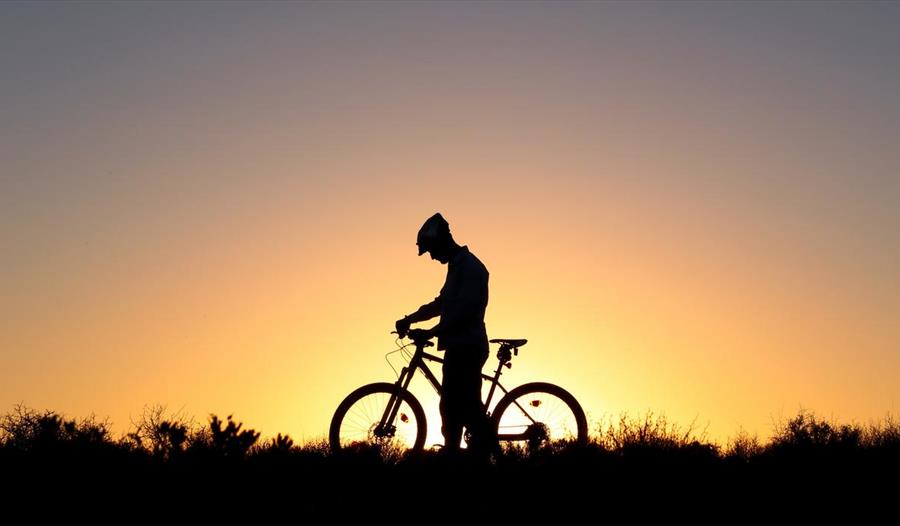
column 418, row 363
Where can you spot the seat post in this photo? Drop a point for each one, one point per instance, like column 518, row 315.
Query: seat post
column 504, row 349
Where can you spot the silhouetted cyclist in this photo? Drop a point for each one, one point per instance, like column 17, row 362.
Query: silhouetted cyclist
column 461, row 333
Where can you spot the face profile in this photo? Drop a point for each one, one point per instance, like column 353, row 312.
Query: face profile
column 439, row 255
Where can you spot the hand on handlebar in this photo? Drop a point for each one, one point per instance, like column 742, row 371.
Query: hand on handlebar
column 420, row 334
column 402, row 326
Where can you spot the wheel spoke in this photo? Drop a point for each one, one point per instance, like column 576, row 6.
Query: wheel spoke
column 356, row 422
column 542, row 413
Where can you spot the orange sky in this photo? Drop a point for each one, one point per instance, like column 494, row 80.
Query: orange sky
column 686, row 210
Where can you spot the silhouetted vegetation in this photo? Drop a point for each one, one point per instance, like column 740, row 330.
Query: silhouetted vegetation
column 176, row 454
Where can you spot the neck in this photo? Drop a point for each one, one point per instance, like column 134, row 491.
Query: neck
column 453, row 249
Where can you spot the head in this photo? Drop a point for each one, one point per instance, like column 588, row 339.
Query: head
column 434, row 237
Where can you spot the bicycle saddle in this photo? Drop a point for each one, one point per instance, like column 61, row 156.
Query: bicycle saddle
column 510, row 343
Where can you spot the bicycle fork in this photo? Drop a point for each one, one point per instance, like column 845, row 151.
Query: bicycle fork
column 386, row 427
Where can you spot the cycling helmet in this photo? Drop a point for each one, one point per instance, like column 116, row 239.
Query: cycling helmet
column 435, row 230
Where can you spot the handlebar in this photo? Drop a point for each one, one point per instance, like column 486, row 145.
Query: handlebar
column 417, row 336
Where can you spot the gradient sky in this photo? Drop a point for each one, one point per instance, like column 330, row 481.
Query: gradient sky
column 686, row 208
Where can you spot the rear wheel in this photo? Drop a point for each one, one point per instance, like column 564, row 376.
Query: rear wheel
column 538, row 414
column 356, row 423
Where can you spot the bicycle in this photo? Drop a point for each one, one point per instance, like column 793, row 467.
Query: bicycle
column 388, row 415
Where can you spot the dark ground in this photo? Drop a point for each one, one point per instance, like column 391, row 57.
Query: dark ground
column 168, row 469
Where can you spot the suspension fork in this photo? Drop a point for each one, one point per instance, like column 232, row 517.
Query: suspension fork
column 402, row 384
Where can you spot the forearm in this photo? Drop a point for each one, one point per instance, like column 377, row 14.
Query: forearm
column 425, row 312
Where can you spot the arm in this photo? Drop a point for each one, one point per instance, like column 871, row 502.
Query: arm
column 426, row 312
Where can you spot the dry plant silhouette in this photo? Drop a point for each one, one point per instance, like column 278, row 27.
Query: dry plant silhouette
column 645, row 456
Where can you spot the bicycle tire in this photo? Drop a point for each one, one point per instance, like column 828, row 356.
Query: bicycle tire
column 358, row 415
column 554, row 415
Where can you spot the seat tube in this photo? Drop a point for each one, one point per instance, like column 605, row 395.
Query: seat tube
column 494, row 382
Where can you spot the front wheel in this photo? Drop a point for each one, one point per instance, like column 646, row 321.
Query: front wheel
column 357, row 422
column 539, row 413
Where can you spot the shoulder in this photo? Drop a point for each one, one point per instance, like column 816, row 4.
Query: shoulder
column 473, row 264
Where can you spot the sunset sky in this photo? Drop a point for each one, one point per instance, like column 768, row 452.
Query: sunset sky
column 686, row 208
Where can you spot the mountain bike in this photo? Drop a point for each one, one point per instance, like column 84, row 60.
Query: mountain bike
column 388, row 414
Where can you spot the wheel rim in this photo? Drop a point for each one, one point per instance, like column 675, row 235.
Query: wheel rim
column 360, row 426
column 539, row 418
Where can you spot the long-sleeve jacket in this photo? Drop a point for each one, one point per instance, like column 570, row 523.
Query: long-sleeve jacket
column 461, row 304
